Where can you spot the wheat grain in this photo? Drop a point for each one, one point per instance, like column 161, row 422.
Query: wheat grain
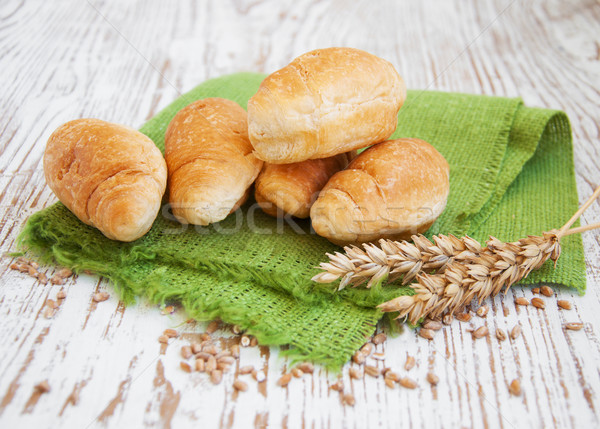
column 574, row 326
column 564, row 304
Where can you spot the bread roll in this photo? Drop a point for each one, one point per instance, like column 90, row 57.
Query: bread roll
column 293, row 188
column 210, row 161
column 110, row 176
column 392, row 190
column 324, row 103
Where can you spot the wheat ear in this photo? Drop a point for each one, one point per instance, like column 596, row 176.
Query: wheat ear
column 449, row 272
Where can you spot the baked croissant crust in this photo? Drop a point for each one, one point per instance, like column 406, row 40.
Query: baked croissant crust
column 110, row 176
column 210, row 161
column 325, row 102
column 292, row 189
column 392, row 190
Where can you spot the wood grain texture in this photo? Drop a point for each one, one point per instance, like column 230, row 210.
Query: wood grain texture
column 124, row 61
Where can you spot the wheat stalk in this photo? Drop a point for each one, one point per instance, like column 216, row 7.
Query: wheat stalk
column 449, row 271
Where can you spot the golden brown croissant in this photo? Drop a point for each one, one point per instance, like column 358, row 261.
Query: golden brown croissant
column 110, row 176
column 293, row 188
column 210, row 161
column 392, row 190
column 325, row 102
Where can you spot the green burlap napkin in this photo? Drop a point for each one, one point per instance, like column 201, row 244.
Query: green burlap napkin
column 511, row 172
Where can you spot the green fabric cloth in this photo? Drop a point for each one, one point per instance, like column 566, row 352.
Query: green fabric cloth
column 511, row 171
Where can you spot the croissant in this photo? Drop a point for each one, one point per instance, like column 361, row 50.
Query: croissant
column 293, row 188
column 210, row 161
column 393, row 190
column 325, row 102
column 110, row 176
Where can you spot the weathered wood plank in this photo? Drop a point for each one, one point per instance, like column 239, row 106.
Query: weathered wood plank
column 124, row 61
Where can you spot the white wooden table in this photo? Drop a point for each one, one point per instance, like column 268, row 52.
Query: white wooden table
column 122, row 61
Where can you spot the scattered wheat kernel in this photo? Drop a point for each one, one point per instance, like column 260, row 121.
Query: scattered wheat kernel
column 410, row 363
column 185, row 366
column 372, row 371
column 100, row 296
column 392, row 376
column 43, row 387
column 500, row 334
column 49, row 313
column 355, row 373
column 515, row 387
column 223, row 353
column 205, row 337
column 163, row 339
column 35, row 265
column 235, row 350
column 538, row 303
column 43, row 279
column 307, row 367
column 297, row 372
column 564, row 304
column 168, row 310
column 389, row 383
column 378, row 356
column 212, row 327
column 65, row 272
column 32, row 272
column 463, row 317
column 358, row 358
column 210, row 349
column 379, row 339
column 432, row 325
column 50, row 303
column 348, row 399
column 216, row 376
column 409, row 383
column 426, row 333
column 260, row 376
column 204, row 356
column 223, row 366
column 447, row 319
column 535, row 290
column 171, row 333
column 432, row 378
column 240, row 385
column 186, row 352
column 227, row 360
column 338, row 386
column 574, row 326
column 547, row 291
column 56, row 280
column 520, row 300
column 284, row 380
column 515, row 332
column 245, row 341
column 23, row 268
column 367, row 349
column 211, row 364
column 14, row 266
column 61, row 294
column 196, row 348
column 480, row 332
column 200, row 365
column 482, row 311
